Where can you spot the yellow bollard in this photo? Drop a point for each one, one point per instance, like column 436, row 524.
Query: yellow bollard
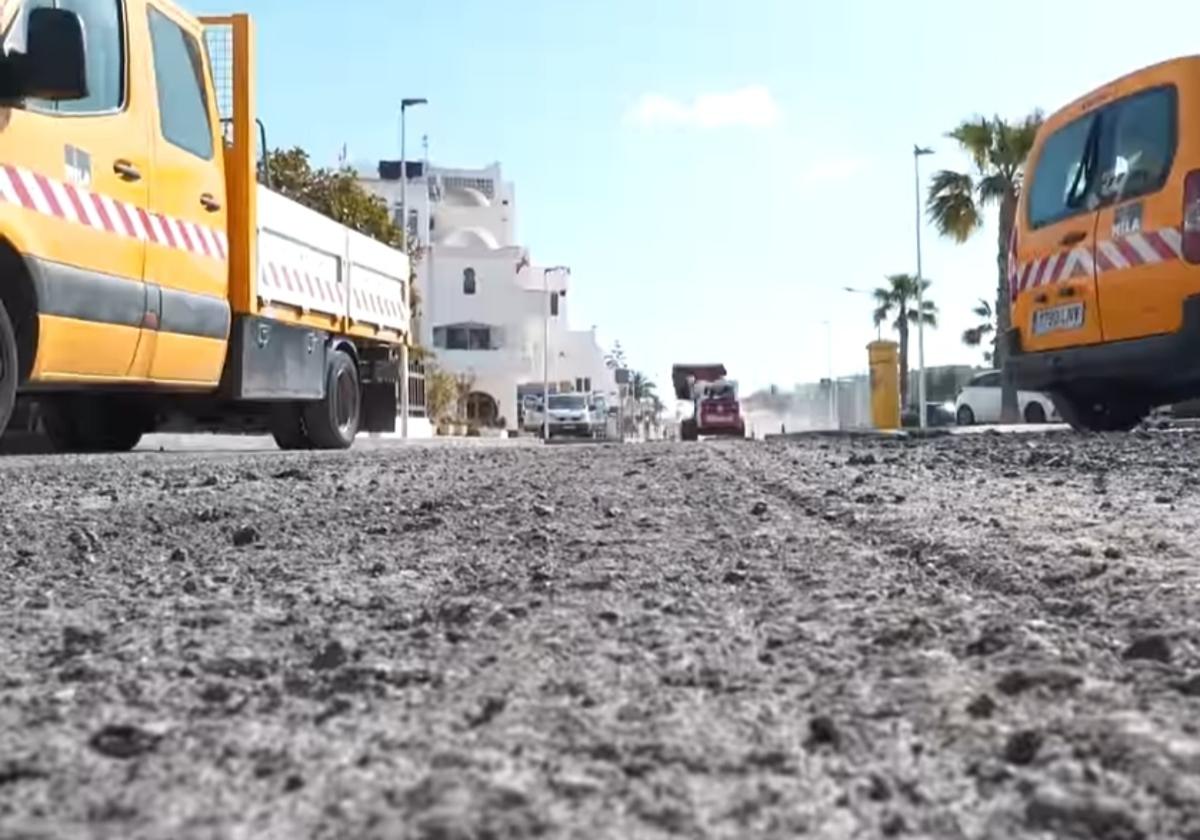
column 885, row 384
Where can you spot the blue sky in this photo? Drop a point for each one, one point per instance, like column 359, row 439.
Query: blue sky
column 714, row 173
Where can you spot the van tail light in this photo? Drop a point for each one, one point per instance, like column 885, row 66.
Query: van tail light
column 1191, row 217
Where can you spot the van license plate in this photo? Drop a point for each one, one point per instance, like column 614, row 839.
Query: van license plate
column 1055, row 319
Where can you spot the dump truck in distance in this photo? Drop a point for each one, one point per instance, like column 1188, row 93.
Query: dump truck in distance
column 152, row 278
column 715, row 407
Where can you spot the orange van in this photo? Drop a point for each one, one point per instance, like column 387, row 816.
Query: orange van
column 1104, row 265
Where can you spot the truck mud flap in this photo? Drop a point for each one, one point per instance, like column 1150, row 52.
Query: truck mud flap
column 380, row 402
column 270, row 361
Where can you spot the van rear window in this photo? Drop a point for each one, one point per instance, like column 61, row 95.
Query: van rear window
column 1059, row 184
column 1129, row 155
column 1138, row 145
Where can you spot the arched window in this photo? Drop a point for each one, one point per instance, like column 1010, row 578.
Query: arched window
column 468, row 281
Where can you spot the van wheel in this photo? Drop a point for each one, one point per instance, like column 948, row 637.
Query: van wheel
column 9, row 369
column 965, row 416
column 80, row 423
column 332, row 423
column 1034, row 413
column 1087, row 414
column 287, row 427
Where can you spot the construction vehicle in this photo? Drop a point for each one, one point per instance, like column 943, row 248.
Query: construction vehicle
column 151, row 277
column 715, row 407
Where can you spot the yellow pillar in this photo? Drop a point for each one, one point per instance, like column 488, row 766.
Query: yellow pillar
column 885, row 384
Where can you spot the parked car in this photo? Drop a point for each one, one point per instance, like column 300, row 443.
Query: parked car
column 575, row 415
column 979, row 402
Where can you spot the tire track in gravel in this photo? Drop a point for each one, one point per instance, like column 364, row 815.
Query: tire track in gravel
column 1089, row 695
column 658, row 641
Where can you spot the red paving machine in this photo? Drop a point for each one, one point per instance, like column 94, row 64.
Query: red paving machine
column 715, row 407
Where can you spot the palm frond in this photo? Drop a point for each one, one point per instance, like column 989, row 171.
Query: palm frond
column 972, row 337
column 983, row 310
column 976, row 137
column 952, row 207
column 1014, row 141
column 881, row 314
column 993, row 188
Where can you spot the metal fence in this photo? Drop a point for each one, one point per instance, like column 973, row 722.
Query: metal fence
column 416, row 389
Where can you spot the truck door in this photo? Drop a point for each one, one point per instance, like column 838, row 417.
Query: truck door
column 187, row 255
column 1139, row 241
column 73, row 180
column 1054, row 281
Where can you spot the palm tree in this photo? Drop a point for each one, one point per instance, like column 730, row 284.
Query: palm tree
column 974, row 336
column 957, row 201
column 898, row 299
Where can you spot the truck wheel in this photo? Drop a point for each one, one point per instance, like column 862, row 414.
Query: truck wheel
column 9, row 370
column 287, row 427
column 1085, row 414
column 688, row 430
column 333, row 422
column 94, row 424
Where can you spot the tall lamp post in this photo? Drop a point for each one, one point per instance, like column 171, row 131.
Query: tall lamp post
column 918, row 153
column 405, row 104
column 557, row 269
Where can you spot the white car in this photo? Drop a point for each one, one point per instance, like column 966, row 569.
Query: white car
column 979, row 402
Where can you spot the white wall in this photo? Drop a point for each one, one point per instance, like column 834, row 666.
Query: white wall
column 472, row 231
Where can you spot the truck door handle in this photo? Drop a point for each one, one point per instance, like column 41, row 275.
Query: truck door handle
column 126, row 170
column 210, row 203
column 1042, row 298
column 1073, row 237
column 1066, row 291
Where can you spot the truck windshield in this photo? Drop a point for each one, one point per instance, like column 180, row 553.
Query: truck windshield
column 568, row 402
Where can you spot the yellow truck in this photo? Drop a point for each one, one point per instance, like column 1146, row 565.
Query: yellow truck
column 149, row 276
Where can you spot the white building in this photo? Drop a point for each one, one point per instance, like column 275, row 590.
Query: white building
column 484, row 306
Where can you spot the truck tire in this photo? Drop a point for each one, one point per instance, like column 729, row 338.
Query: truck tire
column 93, row 423
column 688, row 430
column 287, row 427
column 9, row 369
column 332, row 423
column 1085, row 414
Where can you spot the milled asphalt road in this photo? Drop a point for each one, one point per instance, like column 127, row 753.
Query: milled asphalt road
column 981, row 636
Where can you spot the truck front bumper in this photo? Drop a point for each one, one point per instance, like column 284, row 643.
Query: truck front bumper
column 1165, row 367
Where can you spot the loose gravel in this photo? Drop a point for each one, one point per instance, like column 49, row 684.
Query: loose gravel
column 989, row 636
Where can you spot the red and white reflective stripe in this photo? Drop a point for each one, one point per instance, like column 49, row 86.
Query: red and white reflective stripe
column 1152, row 248
column 297, row 281
column 58, row 199
column 1137, row 249
column 377, row 304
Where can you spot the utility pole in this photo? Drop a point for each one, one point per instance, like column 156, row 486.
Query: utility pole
column 918, row 153
column 546, row 346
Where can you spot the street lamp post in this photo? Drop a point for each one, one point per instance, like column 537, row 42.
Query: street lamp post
column 405, row 104
column 918, row 153
column 546, row 346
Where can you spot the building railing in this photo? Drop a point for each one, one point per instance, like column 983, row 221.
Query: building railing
column 416, row 389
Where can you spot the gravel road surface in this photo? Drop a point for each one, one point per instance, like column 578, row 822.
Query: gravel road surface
column 981, row 636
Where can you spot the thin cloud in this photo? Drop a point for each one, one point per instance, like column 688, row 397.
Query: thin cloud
column 751, row 106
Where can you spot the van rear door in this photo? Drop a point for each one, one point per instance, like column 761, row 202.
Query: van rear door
column 1139, row 242
column 1052, row 270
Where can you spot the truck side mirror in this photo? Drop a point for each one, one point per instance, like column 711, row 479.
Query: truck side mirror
column 54, row 66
